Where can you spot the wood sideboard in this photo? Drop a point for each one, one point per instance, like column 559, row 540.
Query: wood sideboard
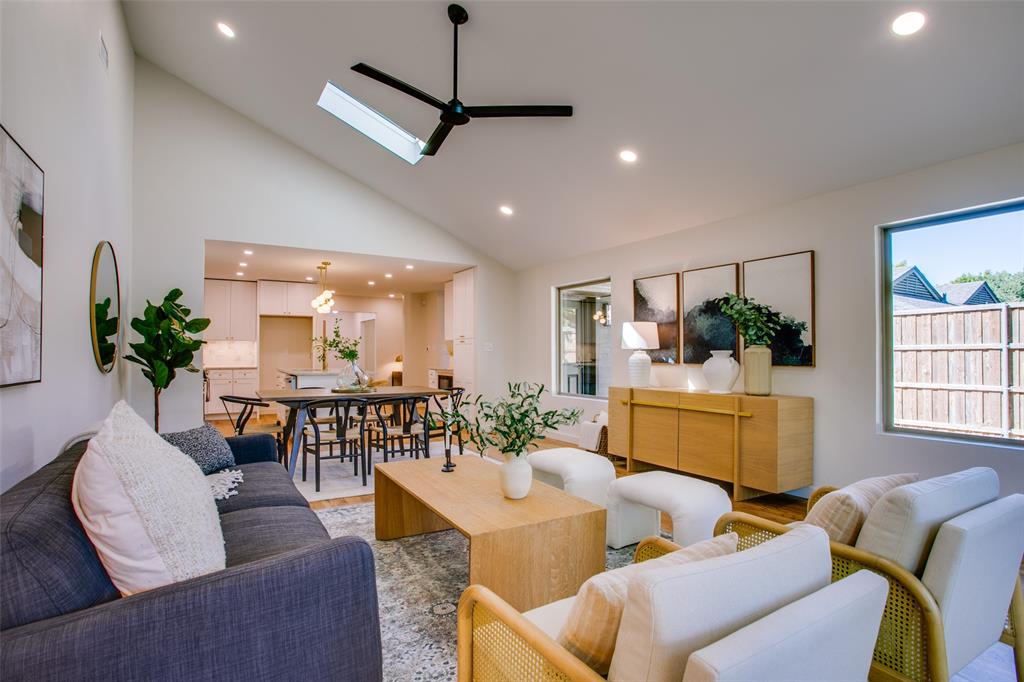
column 761, row 444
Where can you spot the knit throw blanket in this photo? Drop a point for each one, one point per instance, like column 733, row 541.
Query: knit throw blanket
column 223, row 483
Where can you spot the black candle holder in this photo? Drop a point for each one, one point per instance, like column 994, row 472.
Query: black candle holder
column 448, row 466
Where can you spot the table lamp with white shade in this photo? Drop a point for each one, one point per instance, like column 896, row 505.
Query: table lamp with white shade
column 640, row 337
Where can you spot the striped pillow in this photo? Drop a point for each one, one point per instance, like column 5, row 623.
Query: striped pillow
column 593, row 622
column 842, row 512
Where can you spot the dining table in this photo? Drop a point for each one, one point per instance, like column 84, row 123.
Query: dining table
column 296, row 400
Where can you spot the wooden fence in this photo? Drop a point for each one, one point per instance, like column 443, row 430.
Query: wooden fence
column 960, row 369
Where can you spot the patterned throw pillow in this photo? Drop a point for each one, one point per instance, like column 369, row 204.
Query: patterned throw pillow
column 593, row 623
column 205, row 445
column 145, row 506
column 842, row 512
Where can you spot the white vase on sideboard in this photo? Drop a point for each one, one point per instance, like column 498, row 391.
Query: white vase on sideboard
column 721, row 371
column 757, row 370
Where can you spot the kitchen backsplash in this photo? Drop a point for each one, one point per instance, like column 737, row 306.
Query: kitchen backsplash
column 229, row 354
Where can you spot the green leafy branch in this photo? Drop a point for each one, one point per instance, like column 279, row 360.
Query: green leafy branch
column 756, row 322
column 512, row 424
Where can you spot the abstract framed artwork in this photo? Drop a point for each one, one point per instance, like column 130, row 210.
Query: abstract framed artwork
column 705, row 328
column 21, row 265
column 656, row 299
column 786, row 284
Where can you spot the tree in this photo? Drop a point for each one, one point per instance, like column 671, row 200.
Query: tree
column 166, row 345
column 1009, row 286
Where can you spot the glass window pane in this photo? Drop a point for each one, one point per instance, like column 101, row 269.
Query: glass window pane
column 955, row 313
column 584, row 339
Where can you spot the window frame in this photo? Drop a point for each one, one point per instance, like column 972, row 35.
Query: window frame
column 557, row 357
column 887, row 366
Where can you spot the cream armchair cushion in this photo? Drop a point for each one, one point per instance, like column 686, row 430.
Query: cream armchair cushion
column 903, row 524
column 592, row 623
column 971, row 572
column 828, row 635
column 672, row 612
column 841, row 513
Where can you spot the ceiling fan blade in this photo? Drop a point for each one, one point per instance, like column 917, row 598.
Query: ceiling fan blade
column 518, row 110
column 384, row 78
column 436, row 138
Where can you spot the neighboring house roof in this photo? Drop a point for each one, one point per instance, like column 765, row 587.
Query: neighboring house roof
column 911, row 282
column 910, row 303
column 969, row 293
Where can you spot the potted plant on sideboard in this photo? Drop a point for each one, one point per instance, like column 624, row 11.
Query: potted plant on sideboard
column 510, row 425
column 758, row 324
column 166, row 344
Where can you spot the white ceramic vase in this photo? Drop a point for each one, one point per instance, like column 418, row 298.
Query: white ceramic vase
column 757, row 370
column 721, row 371
column 640, row 369
column 516, row 477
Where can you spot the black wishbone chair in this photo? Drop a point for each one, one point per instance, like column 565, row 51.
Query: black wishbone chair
column 407, row 422
column 451, row 402
column 348, row 435
column 240, row 422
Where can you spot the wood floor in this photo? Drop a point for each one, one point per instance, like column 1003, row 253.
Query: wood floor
column 781, row 508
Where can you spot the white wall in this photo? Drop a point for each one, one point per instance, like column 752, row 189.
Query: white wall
column 202, row 171
column 389, row 329
column 75, row 119
column 425, row 348
column 840, row 227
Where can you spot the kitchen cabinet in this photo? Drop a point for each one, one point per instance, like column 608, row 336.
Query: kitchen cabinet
column 464, row 369
column 240, row 382
column 231, row 308
column 463, row 305
column 286, row 298
column 449, row 308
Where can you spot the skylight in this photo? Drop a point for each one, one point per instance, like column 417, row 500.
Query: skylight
column 373, row 124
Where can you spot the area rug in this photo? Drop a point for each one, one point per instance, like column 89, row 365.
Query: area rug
column 419, row 580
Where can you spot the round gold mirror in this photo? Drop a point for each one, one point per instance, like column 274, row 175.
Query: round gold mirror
column 105, row 306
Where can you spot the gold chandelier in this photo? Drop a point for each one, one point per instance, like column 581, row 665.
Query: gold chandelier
column 325, row 300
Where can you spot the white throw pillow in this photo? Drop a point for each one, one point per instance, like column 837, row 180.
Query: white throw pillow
column 146, row 506
column 842, row 512
column 593, row 622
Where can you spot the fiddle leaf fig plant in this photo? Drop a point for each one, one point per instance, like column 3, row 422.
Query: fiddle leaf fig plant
column 512, row 423
column 756, row 322
column 167, row 344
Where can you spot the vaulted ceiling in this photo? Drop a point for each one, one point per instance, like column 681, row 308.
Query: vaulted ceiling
column 731, row 106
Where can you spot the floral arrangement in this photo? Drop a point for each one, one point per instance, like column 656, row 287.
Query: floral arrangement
column 341, row 347
column 756, row 322
column 510, row 424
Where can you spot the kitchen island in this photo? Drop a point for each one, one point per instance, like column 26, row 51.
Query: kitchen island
column 311, row 378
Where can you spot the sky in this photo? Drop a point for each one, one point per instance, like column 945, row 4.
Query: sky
column 944, row 252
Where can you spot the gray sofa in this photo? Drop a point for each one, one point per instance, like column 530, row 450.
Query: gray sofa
column 292, row 604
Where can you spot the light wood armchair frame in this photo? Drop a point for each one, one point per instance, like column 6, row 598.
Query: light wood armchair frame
column 911, row 642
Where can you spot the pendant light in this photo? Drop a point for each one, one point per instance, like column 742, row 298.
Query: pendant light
column 325, row 300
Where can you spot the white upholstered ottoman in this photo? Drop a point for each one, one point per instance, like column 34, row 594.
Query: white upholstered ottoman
column 634, row 503
column 575, row 471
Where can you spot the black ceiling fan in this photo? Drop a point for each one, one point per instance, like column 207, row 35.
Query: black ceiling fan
column 454, row 113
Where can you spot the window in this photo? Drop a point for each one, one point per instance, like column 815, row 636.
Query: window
column 584, row 339
column 954, row 324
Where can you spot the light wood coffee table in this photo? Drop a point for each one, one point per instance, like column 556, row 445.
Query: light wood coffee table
column 530, row 552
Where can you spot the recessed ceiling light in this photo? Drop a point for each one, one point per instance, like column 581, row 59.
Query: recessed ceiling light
column 409, row 267
column 505, row 210
column 628, row 156
column 908, row 23
column 240, row 274
column 371, row 283
column 309, row 279
column 391, row 295
column 225, row 29
column 243, row 265
column 388, row 275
